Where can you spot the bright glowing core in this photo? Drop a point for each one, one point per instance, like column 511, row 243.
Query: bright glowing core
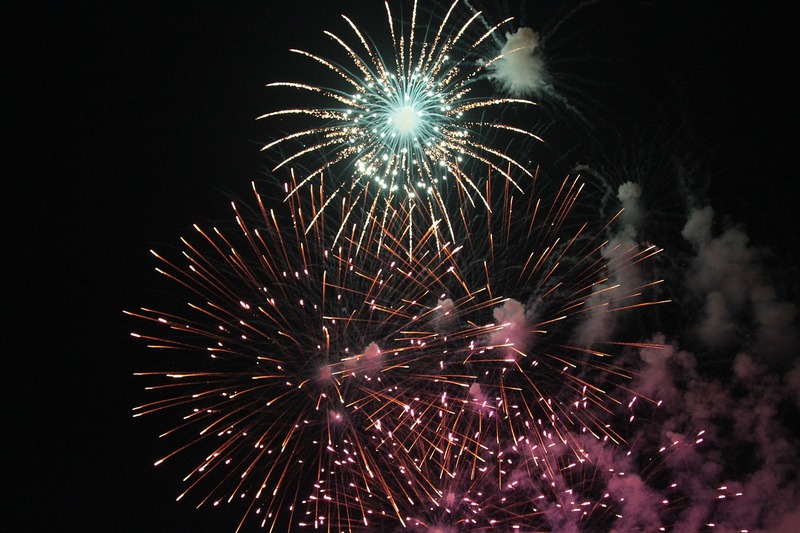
column 406, row 119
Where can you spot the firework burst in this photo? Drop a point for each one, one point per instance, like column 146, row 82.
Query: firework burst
column 299, row 394
column 557, row 290
column 410, row 124
column 334, row 388
column 272, row 321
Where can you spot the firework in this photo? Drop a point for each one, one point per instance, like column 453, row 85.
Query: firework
column 328, row 386
column 408, row 124
column 303, row 357
column 541, row 375
column 560, row 288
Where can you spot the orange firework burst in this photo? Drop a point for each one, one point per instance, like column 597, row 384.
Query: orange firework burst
column 334, row 386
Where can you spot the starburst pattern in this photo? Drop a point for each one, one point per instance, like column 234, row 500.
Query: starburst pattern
column 294, row 334
column 332, row 388
column 409, row 124
column 376, row 353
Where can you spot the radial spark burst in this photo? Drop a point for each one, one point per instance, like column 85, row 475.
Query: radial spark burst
column 304, row 363
column 558, row 290
column 410, row 123
column 496, row 436
column 340, row 387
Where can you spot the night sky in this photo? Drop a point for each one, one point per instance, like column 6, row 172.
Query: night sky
column 130, row 123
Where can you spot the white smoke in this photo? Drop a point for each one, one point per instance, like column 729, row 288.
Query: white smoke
column 730, row 276
column 513, row 335
column 725, row 449
column 368, row 362
column 624, row 278
column 443, row 317
column 519, row 71
column 632, row 216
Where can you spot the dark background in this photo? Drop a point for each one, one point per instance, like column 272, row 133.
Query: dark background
column 129, row 123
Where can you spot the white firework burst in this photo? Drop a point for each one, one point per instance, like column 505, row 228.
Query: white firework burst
column 409, row 126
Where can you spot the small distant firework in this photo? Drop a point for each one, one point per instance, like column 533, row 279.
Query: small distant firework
column 409, row 124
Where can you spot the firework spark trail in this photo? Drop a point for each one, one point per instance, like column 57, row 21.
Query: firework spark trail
column 405, row 128
column 547, row 275
column 526, row 487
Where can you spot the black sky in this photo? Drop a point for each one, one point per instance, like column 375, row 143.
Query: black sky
column 130, row 122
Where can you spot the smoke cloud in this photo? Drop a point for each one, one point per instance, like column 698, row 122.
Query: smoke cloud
column 716, row 449
column 519, row 71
